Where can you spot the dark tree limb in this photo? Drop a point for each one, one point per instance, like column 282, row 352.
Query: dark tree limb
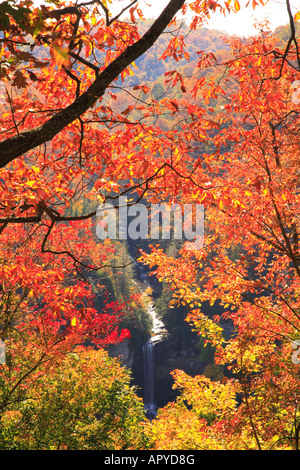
column 14, row 147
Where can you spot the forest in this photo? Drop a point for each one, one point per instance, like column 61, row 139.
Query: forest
column 99, row 102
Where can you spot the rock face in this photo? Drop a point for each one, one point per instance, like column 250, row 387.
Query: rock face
column 168, row 354
column 166, row 357
column 151, row 364
column 123, row 352
column 177, row 348
column 169, row 357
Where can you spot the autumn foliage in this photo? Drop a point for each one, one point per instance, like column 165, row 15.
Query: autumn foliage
column 249, row 262
column 77, row 131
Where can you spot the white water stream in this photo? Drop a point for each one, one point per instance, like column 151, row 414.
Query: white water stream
column 158, row 333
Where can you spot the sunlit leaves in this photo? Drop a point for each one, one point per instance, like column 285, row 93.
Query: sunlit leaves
column 194, row 415
column 84, row 402
column 60, row 55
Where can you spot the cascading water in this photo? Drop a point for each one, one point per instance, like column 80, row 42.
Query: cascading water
column 158, row 333
column 148, row 355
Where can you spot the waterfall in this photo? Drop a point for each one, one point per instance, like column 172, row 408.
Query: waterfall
column 157, row 334
column 148, row 355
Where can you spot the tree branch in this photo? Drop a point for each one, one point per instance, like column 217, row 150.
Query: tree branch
column 14, row 147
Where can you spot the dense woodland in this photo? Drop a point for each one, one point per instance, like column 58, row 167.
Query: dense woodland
column 95, row 105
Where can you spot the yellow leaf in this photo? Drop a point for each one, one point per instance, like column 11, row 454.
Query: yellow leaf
column 236, row 5
column 105, row 2
column 73, row 321
column 297, row 16
column 36, row 169
column 60, row 55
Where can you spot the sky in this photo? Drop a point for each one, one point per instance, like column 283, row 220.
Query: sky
column 241, row 23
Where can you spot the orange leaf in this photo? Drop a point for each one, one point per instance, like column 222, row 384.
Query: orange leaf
column 60, row 55
column 236, row 5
